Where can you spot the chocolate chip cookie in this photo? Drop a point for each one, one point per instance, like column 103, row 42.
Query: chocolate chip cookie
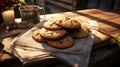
column 68, row 23
column 79, row 33
column 36, row 36
column 62, row 43
column 52, row 34
column 51, row 25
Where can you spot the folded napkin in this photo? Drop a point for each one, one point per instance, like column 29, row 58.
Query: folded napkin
column 28, row 50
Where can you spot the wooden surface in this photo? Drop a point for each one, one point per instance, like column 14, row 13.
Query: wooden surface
column 109, row 21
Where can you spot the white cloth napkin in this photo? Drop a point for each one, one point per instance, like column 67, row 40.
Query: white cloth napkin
column 28, row 50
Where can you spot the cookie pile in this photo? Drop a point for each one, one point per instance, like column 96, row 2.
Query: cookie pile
column 60, row 32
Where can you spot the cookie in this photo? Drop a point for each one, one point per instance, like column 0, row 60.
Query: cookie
column 79, row 33
column 51, row 25
column 36, row 36
column 68, row 23
column 62, row 43
column 52, row 34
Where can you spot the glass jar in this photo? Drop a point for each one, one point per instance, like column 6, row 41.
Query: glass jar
column 31, row 13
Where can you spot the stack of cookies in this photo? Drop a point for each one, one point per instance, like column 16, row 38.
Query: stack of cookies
column 60, row 32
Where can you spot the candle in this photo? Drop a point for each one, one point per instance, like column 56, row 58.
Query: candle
column 8, row 16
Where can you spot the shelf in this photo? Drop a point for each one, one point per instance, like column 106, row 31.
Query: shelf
column 62, row 3
column 56, row 9
column 67, row 1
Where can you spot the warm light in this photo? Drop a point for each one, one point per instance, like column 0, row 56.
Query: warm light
column 8, row 16
column 21, row 0
column 18, row 20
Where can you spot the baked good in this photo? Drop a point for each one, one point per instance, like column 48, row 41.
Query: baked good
column 79, row 33
column 51, row 25
column 59, row 33
column 68, row 23
column 36, row 36
column 62, row 43
column 52, row 34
